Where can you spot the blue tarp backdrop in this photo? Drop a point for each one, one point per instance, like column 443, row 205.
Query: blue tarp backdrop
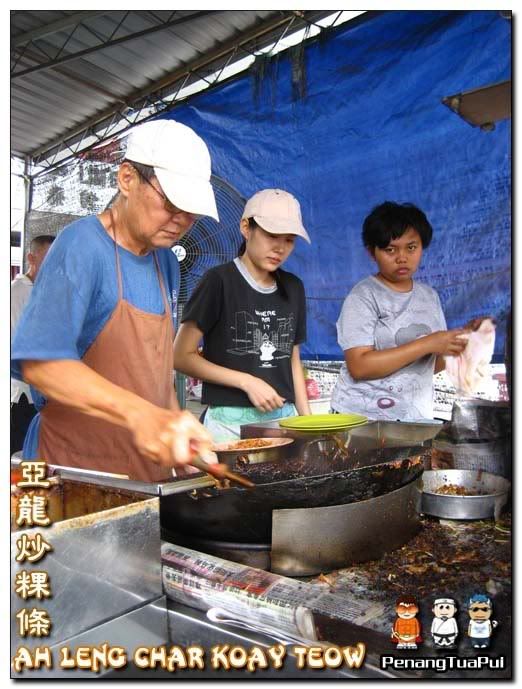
column 371, row 127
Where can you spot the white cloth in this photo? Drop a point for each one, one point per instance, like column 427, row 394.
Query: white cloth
column 444, row 627
column 21, row 288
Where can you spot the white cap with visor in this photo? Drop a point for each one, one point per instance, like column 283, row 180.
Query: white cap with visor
column 277, row 212
column 181, row 163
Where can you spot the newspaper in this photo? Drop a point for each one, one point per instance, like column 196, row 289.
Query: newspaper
column 254, row 596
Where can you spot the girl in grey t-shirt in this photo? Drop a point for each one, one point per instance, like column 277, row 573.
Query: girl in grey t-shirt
column 391, row 328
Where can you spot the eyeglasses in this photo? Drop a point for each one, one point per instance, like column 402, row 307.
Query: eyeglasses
column 476, row 608
column 168, row 205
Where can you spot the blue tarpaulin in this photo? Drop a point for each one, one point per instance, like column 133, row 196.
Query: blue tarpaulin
column 370, row 126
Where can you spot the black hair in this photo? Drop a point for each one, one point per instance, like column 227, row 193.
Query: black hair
column 390, row 221
column 146, row 171
column 252, row 225
column 406, row 600
column 40, row 241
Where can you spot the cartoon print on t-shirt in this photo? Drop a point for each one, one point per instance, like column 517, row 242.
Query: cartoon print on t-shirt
column 264, row 334
column 393, row 402
column 410, row 333
column 391, row 396
column 267, row 349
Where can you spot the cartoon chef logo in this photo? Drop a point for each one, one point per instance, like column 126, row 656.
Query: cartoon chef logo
column 406, row 630
column 444, row 629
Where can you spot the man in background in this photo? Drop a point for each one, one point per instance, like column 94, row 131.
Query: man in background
column 22, row 407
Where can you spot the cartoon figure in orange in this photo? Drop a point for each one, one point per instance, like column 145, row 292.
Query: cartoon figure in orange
column 406, row 628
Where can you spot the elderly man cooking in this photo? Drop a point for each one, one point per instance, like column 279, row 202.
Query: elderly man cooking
column 97, row 336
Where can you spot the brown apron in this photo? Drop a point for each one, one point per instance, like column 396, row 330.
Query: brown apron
column 135, row 351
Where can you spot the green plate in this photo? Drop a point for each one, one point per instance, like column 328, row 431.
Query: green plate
column 323, row 422
column 330, row 429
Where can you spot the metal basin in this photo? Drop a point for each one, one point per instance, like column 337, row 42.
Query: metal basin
column 492, row 493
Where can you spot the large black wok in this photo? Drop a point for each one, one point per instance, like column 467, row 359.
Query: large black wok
column 323, row 476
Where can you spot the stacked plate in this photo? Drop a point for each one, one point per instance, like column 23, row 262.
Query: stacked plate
column 318, row 423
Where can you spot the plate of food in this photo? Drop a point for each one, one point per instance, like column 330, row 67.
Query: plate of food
column 251, row 444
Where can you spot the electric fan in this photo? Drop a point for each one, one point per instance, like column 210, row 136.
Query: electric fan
column 210, row 243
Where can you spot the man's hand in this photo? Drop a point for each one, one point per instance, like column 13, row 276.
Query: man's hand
column 169, row 438
column 261, row 394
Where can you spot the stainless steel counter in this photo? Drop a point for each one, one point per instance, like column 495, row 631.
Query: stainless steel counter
column 104, row 571
column 187, row 626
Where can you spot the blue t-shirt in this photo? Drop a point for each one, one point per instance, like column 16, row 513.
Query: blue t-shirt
column 75, row 293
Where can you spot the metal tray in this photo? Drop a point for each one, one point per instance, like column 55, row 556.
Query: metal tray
column 493, row 489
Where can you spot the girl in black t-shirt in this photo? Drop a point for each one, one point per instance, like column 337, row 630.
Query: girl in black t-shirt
column 251, row 315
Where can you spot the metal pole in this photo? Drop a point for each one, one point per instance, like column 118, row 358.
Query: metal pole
column 181, row 379
column 28, row 200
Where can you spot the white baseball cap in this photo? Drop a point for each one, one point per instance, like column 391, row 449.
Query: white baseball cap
column 276, row 211
column 181, row 163
column 447, row 601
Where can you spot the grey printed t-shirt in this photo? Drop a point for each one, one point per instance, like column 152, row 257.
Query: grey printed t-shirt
column 374, row 315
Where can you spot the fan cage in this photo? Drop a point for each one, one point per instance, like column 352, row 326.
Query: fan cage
column 210, row 243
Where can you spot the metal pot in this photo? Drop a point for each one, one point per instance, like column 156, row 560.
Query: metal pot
column 492, row 494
